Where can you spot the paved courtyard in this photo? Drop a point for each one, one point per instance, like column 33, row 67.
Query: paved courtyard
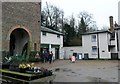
column 84, row 70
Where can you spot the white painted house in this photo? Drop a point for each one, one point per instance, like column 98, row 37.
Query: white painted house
column 117, row 29
column 102, row 44
column 95, row 45
column 51, row 40
column 99, row 45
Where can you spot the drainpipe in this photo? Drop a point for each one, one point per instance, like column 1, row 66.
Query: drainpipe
column 98, row 46
column 117, row 41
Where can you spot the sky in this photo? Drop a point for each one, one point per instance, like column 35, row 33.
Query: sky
column 101, row 9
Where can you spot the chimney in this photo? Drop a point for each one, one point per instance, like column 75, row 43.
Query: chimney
column 111, row 24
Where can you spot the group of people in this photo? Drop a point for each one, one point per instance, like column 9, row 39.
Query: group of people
column 46, row 56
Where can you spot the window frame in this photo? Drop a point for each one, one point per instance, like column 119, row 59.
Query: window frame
column 94, row 38
column 94, row 50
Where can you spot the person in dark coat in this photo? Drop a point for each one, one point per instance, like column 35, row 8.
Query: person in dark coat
column 46, row 56
column 50, row 57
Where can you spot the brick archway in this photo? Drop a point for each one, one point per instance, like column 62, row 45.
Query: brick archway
column 19, row 26
column 18, row 37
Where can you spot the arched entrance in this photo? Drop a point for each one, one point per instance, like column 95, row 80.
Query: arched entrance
column 19, row 39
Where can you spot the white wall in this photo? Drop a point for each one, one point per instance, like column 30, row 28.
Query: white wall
column 68, row 51
column 51, row 38
column 103, row 45
column 118, row 43
column 103, row 39
column 87, row 45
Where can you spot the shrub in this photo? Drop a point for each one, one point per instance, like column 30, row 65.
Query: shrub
column 32, row 56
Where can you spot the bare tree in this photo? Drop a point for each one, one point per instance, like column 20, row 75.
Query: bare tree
column 88, row 19
column 54, row 16
column 104, row 27
column 72, row 21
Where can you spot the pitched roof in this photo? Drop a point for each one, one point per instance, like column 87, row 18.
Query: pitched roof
column 45, row 29
column 96, row 32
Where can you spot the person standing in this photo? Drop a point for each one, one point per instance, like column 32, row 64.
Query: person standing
column 46, row 56
column 50, row 57
column 73, row 59
column 42, row 57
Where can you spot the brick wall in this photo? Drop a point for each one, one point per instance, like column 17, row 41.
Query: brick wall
column 26, row 14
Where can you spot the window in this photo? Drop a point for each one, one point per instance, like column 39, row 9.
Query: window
column 86, row 56
column 94, row 49
column 58, row 36
column 44, row 33
column 93, row 38
column 35, row 46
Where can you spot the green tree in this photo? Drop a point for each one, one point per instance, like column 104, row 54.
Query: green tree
column 82, row 28
column 69, row 34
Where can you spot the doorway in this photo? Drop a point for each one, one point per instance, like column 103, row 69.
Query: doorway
column 19, row 39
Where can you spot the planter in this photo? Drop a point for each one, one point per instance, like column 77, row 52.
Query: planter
column 5, row 65
column 14, row 67
column 23, row 70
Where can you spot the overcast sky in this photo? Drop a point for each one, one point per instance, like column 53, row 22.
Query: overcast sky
column 101, row 9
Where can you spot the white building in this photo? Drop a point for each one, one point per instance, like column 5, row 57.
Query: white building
column 117, row 30
column 95, row 45
column 75, row 50
column 51, row 40
column 99, row 45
